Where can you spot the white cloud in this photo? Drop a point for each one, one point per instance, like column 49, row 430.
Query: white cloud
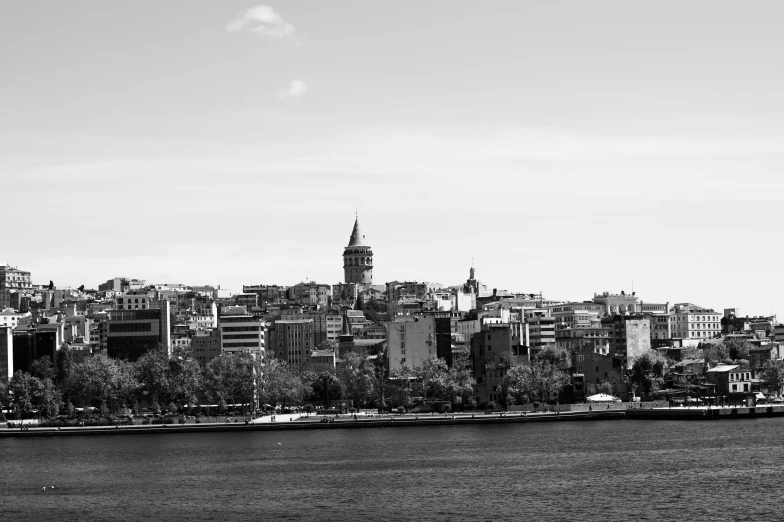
column 262, row 20
column 294, row 91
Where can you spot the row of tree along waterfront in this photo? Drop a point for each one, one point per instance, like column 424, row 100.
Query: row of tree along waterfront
column 158, row 383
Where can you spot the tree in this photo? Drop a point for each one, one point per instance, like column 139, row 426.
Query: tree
column 605, row 387
column 433, row 374
column 648, row 372
column 774, row 375
column 43, row 368
column 357, row 376
column 328, row 344
column 324, row 385
column 519, row 386
column 81, row 288
column 460, row 380
column 232, row 378
column 542, row 380
column 3, row 395
column 101, row 379
column 559, row 358
column 738, row 349
column 691, row 352
column 615, row 379
column 152, row 373
column 24, row 387
column 184, row 379
column 715, row 352
column 405, row 375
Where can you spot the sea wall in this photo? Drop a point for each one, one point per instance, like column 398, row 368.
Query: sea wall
column 343, row 423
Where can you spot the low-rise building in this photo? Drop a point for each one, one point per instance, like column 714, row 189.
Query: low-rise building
column 320, row 360
column 730, row 379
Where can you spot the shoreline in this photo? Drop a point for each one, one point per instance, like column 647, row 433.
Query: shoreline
column 402, row 421
column 409, row 420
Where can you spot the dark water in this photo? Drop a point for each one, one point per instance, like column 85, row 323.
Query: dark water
column 612, row 470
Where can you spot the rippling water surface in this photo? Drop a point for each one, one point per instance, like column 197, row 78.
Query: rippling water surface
column 613, row 470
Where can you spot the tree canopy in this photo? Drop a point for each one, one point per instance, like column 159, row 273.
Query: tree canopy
column 647, row 372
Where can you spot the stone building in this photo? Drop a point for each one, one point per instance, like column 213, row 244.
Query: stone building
column 358, row 259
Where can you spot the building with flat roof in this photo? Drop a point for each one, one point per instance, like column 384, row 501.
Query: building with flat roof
column 694, row 323
column 541, row 332
column 409, row 340
column 13, row 278
column 241, row 331
column 127, row 334
column 206, row 346
column 617, row 304
column 630, row 337
column 293, row 340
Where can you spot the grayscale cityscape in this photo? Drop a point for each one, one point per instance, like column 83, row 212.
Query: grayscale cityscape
column 409, row 261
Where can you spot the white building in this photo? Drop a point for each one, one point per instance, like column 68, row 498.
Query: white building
column 695, row 323
column 10, row 318
column 410, row 340
column 241, row 331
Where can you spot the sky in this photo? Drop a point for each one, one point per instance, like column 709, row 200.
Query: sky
column 567, row 147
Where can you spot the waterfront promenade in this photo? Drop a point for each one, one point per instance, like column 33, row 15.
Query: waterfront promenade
column 304, row 422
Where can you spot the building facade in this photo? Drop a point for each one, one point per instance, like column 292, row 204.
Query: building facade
column 692, row 322
column 241, row 331
column 410, row 340
column 358, row 259
column 128, row 334
column 293, row 340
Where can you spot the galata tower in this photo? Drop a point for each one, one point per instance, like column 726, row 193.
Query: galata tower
column 358, row 259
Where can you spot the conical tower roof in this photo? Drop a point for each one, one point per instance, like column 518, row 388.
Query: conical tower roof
column 357, row 239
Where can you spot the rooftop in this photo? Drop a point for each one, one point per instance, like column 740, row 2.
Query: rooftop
column 722, row 368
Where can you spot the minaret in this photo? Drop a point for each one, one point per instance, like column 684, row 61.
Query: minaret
column 358, row 259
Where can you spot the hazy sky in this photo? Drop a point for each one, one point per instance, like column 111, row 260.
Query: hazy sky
column 569, row 147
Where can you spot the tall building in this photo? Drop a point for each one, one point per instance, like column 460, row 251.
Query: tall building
column 127, row 334
column 6, row 354
column 541, row 331
column 326, row 325
column 491, row 356
column 241, row 331
column 293, row 340
column 409, row 340
column 358, row 259
column 630, row 337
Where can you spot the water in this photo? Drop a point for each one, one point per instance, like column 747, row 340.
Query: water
column 613, row 470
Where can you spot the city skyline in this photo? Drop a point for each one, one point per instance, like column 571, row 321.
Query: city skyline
column 568, row 148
